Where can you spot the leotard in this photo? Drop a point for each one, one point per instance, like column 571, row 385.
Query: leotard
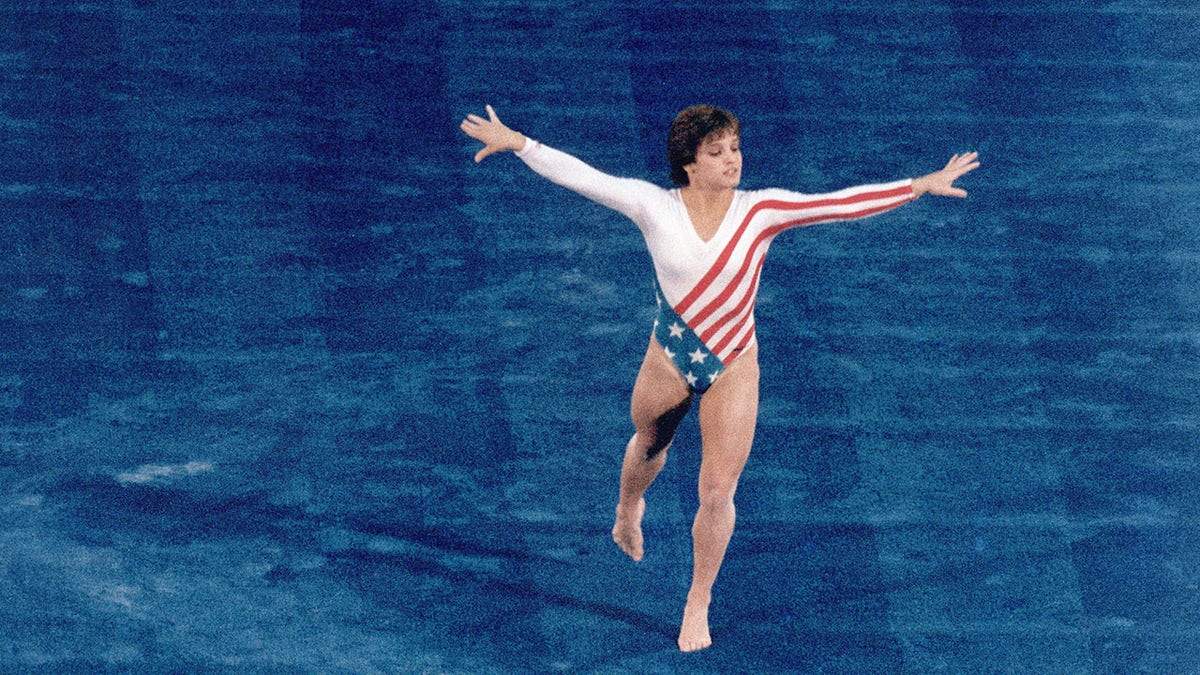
column 706, row 289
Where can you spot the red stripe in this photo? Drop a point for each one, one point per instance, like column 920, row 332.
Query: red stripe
column 745, row 341
column 845, row 216
column 721, row 261
column 731, row 314
column 718, row 301
column 729, row 336
column 740, row 324
column 741, row 345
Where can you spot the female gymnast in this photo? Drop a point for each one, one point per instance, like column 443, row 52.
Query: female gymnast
column 707, row 240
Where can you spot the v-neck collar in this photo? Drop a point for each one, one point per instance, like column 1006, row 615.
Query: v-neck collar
column 692, row 225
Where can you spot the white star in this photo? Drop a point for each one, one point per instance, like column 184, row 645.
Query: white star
column 712, row 377
column 676, row 330
column 691, row 379
column 670, row 354
column 698, row 356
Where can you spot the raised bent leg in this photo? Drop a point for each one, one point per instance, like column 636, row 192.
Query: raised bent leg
column 660, row 400
column 728, row 413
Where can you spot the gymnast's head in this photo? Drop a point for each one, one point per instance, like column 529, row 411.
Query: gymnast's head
column 692, row 126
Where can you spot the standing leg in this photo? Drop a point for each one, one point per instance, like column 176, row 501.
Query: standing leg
column 660, row 400
column 728, row 413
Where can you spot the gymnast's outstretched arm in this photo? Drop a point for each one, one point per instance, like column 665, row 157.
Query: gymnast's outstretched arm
column 629, row 196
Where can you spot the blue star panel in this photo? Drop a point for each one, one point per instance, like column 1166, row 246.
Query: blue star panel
column 695, row 362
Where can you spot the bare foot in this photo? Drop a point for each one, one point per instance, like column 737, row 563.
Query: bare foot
column 693, row 633
column 627, row 531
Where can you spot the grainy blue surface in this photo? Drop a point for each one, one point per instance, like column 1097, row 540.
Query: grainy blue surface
column 288, row 384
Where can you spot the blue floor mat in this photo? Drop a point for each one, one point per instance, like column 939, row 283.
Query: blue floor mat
column 289, row 384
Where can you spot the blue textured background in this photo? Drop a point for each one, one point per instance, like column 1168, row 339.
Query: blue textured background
column 288, row 384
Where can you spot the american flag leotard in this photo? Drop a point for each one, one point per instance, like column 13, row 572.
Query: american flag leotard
column 706, row 289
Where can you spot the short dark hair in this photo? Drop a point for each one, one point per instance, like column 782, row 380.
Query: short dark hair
column 691, row 127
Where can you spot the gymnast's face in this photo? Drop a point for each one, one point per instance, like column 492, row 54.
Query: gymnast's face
column 718, row 164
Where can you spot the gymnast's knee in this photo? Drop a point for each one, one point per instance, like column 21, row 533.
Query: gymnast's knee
column 717, row 492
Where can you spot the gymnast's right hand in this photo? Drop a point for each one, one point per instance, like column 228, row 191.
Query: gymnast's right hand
column 495, row 136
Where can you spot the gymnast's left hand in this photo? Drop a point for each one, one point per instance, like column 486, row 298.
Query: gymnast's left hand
column 942, row 182
column 496, row 137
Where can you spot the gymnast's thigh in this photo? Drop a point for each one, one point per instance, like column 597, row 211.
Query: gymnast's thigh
column 660, row 395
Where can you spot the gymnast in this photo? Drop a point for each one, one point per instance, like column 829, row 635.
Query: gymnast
column 707, row 240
